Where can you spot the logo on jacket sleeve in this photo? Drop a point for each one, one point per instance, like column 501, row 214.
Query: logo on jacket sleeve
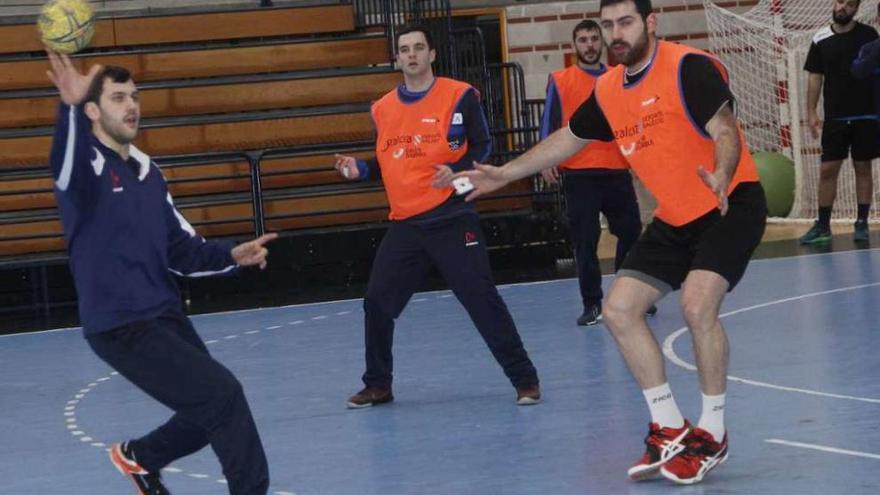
column 457, row 118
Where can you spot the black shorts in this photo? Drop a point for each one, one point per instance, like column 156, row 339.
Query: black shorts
column 842, row 137
column 663, row 255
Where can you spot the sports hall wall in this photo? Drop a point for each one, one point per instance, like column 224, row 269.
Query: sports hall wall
column 539, row 35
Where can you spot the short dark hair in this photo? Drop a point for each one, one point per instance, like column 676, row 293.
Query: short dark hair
column 114, row 73
column 585, row 25
column 413, row 28
column 643, row 7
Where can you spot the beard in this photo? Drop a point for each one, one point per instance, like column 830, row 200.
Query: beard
column 589, row 58
column 841, row 17
column 119, row 132
column 636, row 52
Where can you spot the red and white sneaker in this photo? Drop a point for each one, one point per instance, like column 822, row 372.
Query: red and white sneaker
column 663, row 444
column 147, row 483
column 701, row 454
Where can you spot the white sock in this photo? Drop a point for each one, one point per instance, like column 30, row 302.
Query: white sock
column 712, row 418
column 664, row 410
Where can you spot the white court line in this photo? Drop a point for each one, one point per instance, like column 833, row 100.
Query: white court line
column 669, row 349
column 823, row 448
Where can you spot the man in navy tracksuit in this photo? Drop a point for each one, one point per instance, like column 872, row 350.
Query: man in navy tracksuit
column 427, row 129
column 126, row 242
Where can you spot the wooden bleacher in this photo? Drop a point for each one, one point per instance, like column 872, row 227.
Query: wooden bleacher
column 268, row 79
column 211, row 26
column 206, row 96
column 156, row 64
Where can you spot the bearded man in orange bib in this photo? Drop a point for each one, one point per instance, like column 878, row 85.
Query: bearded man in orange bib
column 596, row 179
column 427, row 129
column 670, row 111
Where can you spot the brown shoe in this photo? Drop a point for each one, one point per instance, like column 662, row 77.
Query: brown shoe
column 370, row 396
column 528, row 395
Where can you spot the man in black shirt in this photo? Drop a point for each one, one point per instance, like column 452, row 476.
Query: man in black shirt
column 850, row 127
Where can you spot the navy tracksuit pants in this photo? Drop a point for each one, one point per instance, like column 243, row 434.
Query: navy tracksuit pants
column 586, row 195
column 167, row 359
column 456, row 246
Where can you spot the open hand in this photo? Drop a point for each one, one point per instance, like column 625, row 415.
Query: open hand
column 550, row 175
column 484, row 178
column 71, row 83
column 718, row 186
column 443, row 177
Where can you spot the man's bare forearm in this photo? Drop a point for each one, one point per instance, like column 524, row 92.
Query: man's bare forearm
column 548, row 153
column 814, row 88
column 722, row 127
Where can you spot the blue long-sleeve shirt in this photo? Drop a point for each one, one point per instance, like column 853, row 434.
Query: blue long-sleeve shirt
column 125, row 238
column 473, row 130
column 867, row 64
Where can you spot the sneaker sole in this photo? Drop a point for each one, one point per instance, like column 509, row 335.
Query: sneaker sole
column 818, row 240
column 590, row 323
column 651, row 471
column 644, row 473
column 696, row 479
column 528, row 401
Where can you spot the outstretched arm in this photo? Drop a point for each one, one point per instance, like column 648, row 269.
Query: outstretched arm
column 191, row 255
column 71, row 151
column 548, row 153
column 588, row 123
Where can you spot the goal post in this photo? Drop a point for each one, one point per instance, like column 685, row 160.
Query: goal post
column 765, row 48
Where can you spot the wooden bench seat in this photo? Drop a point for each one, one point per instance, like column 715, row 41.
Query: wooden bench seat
column 178, row 28
column 212, row 62
column 259, row 23
column 213, row 137
column 212, row 98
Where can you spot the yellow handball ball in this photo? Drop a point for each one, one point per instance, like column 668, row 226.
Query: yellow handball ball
column 66, row 26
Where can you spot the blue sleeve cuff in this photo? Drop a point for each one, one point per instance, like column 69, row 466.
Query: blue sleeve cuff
column 363, row 169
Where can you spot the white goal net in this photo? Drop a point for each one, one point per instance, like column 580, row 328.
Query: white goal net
column 764, row 49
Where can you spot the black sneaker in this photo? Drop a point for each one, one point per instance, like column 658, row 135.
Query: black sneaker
column 860, row 231
column 592, row 315
column 651, row 311
column 818, row 233
column 146, row 482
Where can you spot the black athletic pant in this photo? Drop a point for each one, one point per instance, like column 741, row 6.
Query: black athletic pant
column 586, row 195
column 165, row 358
column 457, row 247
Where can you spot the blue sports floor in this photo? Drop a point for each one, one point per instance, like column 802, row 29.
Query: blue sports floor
column 803, row 404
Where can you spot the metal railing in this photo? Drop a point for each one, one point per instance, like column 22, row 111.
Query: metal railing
column 513, row 130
